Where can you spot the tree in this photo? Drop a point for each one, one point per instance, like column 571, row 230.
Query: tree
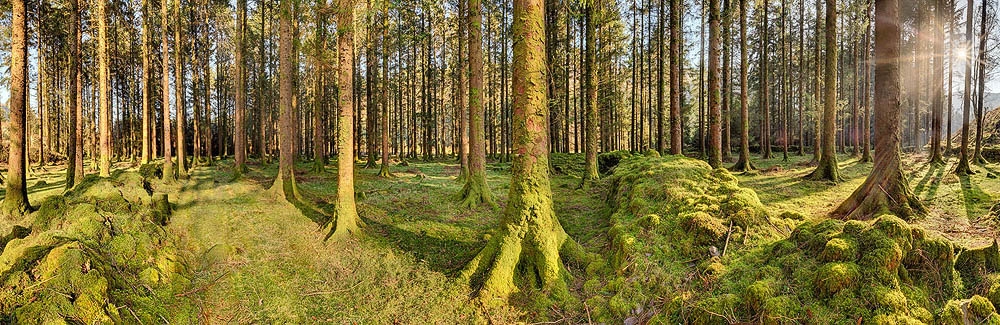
column 147, row 90
column 74, row 152
column 714, row 86
column 530, row 239
column 239, row 116
column 744, row 163
column 105, row 110
column 463, row 93
column 977, row 155
column 284, row 183
column 765, row 96
column 476, row 191
column 168, row 165
column 590, row 79
column 180, row 91
column 963, row 168
column 676, row 23
column 319, row 91
column 828, row 169
column 937, row 106
column 345, row 222
column 384, row 96
column 885, row 189
column 15, row 203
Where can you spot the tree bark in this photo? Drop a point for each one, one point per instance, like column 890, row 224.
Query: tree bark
column 714, row 87
column 345, row 222
column 937, row 107
column 828, row 169
column 590, row 173
column 885, row 189
column 476, row 191
column 963, row 167
column 15, row 203
column 105, row 104
column 530, row 239
column 179, row 92
column 744, row 163
column 239, row 114
column 284, row 184
column 676, row 23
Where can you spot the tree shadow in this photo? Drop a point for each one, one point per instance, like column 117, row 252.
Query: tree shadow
column 930, row 181
column 441, row 255
column 973, row 196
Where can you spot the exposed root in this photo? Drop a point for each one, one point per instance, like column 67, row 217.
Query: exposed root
column 476, row 192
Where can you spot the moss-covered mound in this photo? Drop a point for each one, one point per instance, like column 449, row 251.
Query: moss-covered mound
column 98, row 254
column 670, row 213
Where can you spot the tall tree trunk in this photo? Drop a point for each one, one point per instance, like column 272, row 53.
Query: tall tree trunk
column 239, row 114
column 714, row 86
column 147, row 90
column 676, row 23
column 180, row 92
column 885, row 189
column 765, row 96
column 476, row 191
column 168, row 165
column 591, row 121
column 345, row 222
column 463, row 93
column 533, row 250
column 977, row 156
column 828, row 169
column 951, row 74
column 744, row 163
column 319, row 91
column 660, row 108
column 15, row 203
column 383, row 95
column 817, row 99
column 963, row 167
column 105, row 104
column 937, row 80
column 284, row 183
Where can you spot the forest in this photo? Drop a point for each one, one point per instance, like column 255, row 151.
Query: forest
column 500, row 162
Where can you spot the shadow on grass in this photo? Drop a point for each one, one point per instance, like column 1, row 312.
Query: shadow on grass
column 973, row 197
column 441, row 255
column 930, row 181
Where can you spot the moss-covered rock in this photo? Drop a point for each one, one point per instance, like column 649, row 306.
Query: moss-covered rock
column 98, row 247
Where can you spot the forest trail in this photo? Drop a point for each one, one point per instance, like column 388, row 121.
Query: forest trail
column 259, row 260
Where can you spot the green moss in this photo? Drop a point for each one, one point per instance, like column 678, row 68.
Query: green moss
column 757, row 294
column 980, row 307
column 704, row 229
column 834, row 277
column 839, row 249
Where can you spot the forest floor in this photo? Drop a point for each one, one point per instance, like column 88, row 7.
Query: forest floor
column 259, row 259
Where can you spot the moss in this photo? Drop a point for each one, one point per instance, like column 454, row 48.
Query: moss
column 757, row 294
column 975, row 264
column 650, row 221
column 980, row 307
column 831, row 278
column 839, row 249
column 993, row 294
column 650, row 153
column 704, row 229
column 609, row 160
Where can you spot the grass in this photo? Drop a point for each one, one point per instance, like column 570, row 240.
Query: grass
column 258, row 259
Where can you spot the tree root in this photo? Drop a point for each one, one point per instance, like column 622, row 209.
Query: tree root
column 476, row 192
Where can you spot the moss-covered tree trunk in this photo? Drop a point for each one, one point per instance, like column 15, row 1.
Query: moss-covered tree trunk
column 168, row 164
column 885, row 189
column 525, row 251
column 676, row 131
column 284, row 184
column 827, row 168
column 476, row 191
column 15, row 202
column 590, row 172
column 345, row 222
column 977, row 156
column 714, row 86
column 179, row 92
column 239, row 114
column 74, row 152
column 104, row 124
column 963, row 167
column 744, row 163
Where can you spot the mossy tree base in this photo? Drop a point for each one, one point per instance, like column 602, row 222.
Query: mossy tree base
column 524, row 254
column 318, row 166
column 14, row 208
column 476, row 192
column 168, row 173
column 742, row 166
column 384, row 171
column 881, row 194
column 963, row 168
column 826, row 171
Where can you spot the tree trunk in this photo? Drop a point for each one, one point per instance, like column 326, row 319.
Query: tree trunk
column 963, row 168
column 828, row 169
column 319, row 91
column 885, row 189
column 180, row 92
column 147, row 90
column 15, row 203
column 744, row 163
column 714, row 87
column 239, row 114
column 977, row 156
column 384, row 96
column 590, row 174
column 676, row 23
column 463, row 93
column 284, row 183
column 476, row 191
column 765, row 96
column 937, row 79
column 530, row 239
column 345, row 222
column 168, row 165
column 105, row 105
